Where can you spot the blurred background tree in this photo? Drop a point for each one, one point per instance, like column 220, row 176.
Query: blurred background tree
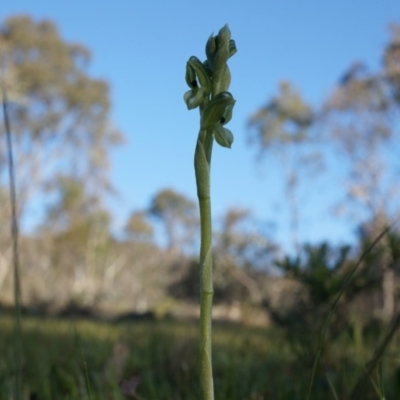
column 60, row 120
column 354, row 132
column 178, row 215
column 282, row 127
column 63, row 134
column 138, row 228
column 243, row 256
column 60, row 115
column 361, row 120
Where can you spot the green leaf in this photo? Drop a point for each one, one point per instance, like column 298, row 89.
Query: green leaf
column 223, row 136
column 216, row 109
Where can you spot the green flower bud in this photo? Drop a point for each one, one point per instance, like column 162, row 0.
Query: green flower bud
column 232, row 48
column 208, row 68
column 216, row 110
column 193, row 98
column 211, row 77
column 224, row 35
column 218, row 113
column 223, row 136
column 190, row 76
column 221, row 79
column 227, row 114
column 201, row 73
column 211, row 49
column 221, row 73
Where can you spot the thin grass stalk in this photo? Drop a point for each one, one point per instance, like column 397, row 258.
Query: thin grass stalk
column 335, row 304
column 15, row 236
column 373, row 363
column 330, row 383
column 84, row 364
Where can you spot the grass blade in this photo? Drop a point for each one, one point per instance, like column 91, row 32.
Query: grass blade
column 18, row 354
column 87, row 383
column 336, row 302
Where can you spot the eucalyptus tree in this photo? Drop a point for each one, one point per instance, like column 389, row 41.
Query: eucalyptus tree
column 177, row 213
column 60, row 115
column 282, row 128
column 138, row 228
column 361, row 118
column 57, row 118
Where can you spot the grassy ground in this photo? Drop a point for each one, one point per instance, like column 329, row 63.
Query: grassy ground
column 156, row 360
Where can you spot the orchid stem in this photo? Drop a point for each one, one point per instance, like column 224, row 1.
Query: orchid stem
column 202, row 170
column 209, row 83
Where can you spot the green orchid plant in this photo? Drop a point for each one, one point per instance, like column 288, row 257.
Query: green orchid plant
column 209, row 83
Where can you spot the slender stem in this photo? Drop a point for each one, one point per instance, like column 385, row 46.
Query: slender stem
column 215, row 105
column 373, row 363
column 14, row 235
column 327, row 321
column 202, row 170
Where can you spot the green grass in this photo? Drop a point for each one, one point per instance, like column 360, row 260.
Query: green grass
column 86, row 360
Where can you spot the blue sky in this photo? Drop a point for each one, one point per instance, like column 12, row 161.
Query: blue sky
column 141, row 48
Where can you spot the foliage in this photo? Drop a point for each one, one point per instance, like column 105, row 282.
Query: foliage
column 178, row 215
column 230, row 284
column 72, row 206
column 322, row 272
column 359, row 117
column 59, row 114
column 355, row 133
column 283, row 120
column 243, row 255
column 240, row 240
column 62, row 133
column 156, row 360
column 283, row 128
column 138, row 228
column 319, row 270
column 391, row 61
